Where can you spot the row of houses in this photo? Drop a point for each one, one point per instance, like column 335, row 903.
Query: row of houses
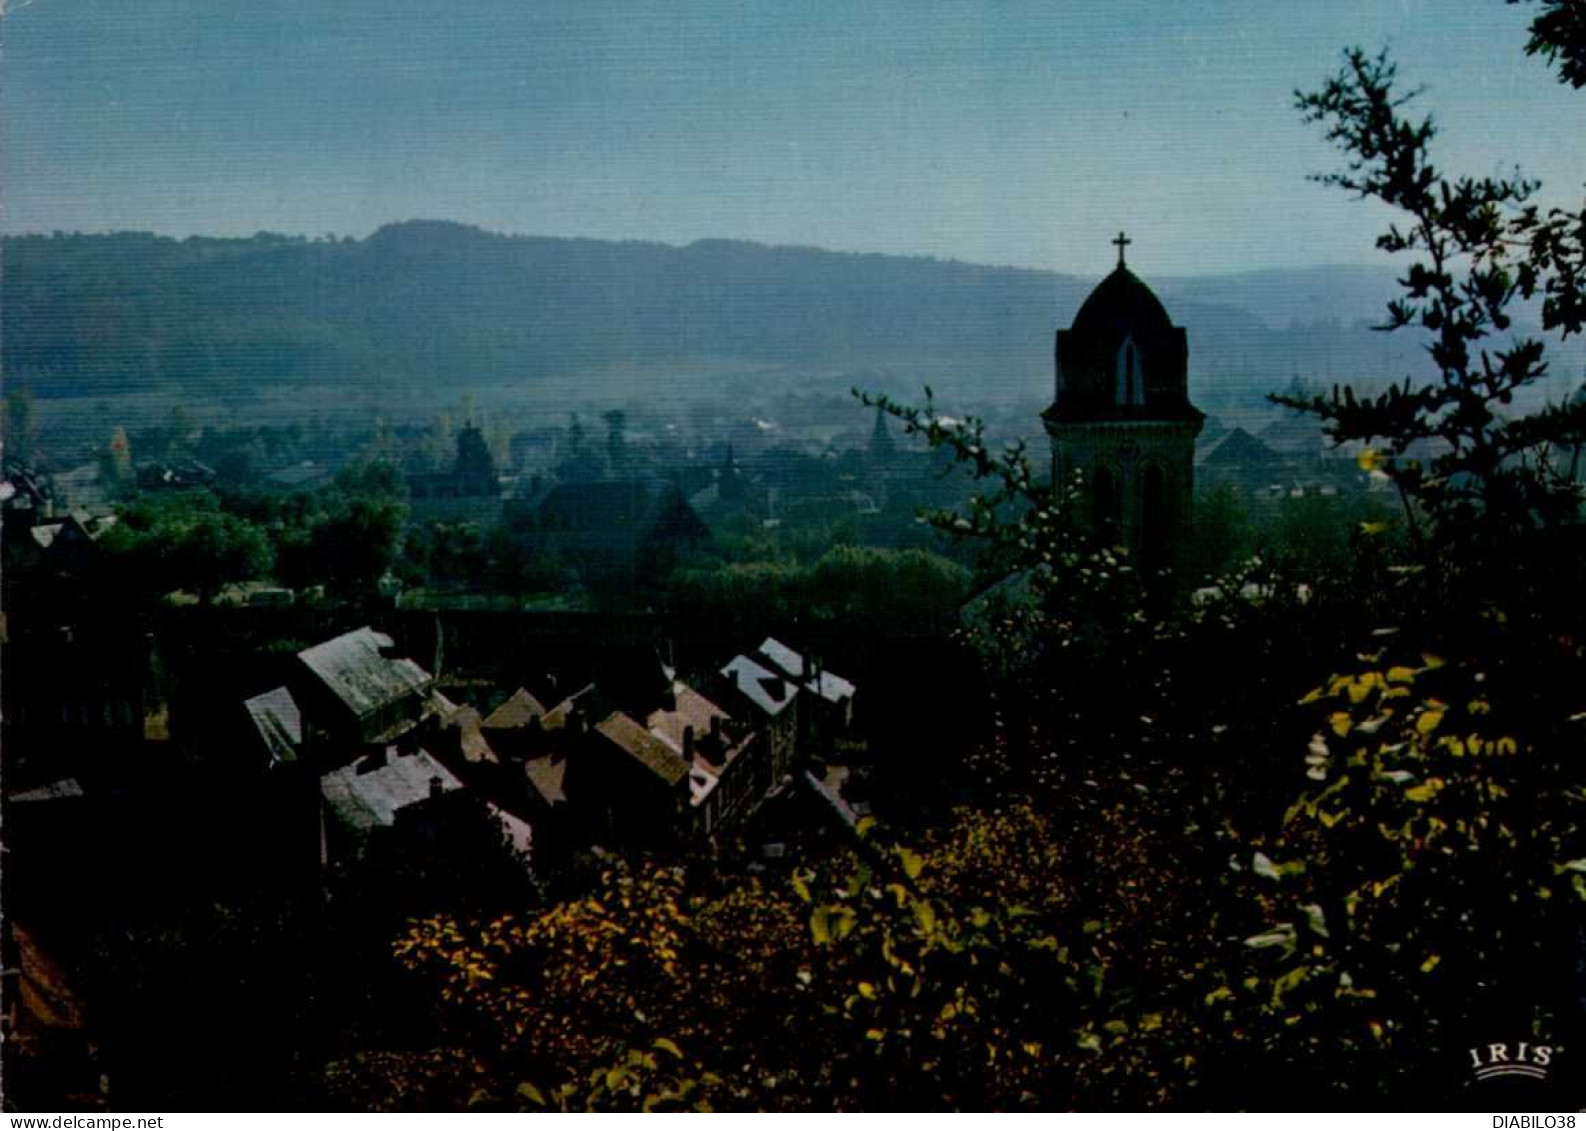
column 677, row 762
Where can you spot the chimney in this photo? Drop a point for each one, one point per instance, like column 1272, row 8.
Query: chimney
column 688, row 743
column 437, row 786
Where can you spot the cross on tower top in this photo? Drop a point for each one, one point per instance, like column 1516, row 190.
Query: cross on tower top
column 1120, row 243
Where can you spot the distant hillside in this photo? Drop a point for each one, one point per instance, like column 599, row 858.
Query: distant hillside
column 451, row 305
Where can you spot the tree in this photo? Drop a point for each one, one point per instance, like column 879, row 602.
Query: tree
column 1428, row 887
column 1486, row 476
column 1558, row 34
column 877, row 977
column 173, row 540
column 355, row 544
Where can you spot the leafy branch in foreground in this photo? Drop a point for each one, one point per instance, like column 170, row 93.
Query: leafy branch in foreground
column 1465, row 463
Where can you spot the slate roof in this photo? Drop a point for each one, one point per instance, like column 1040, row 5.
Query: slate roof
column 279, row 722
column 370, row 798
column 60, row 790
column 643, row 747
column 78, row 526
column 355, row 670
column 1122, row 304
column 763, row 687
column 44, row 533
column 833, row 688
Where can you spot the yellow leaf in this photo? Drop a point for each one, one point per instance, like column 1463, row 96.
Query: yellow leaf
column 1340, row 722
column 912, row 862
column 1424, row 792
column 820, row 926
column 1368, row 459
column 1365, row 684
column 666, row 1044
column 1431, row 963
column 1401, row 674
column 1429, row 720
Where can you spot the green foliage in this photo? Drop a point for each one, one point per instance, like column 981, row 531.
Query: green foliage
column 885, row 976
column 1474, row 474
column 1558, row 34
column 174, row 540
column 1418, row 890
column 900, row 589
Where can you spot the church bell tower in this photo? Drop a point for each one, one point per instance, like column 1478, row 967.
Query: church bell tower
column 1121, row 420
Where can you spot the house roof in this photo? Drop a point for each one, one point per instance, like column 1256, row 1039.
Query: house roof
column 701, row 784
column 54, row 791
column 766, row 689
column 690, row 709
column 833, row 688
column 519, row 834
column 547, row 775
column 45, row 991
column 366, row 798
column 78, row 526
column 643, row 747
column 356, row 670
column 44, row 534
column 517, row 711
column 470, row 740
column 279, row 722
column 781, row 656
column 1239, row 449
column 557, row 716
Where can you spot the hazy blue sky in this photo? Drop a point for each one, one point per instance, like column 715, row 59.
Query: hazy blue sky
column 1019, row 133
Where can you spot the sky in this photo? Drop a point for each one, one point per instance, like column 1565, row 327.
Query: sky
column 1009, row 132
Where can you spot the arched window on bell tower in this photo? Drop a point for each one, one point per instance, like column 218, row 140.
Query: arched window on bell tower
column 1130, row 387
